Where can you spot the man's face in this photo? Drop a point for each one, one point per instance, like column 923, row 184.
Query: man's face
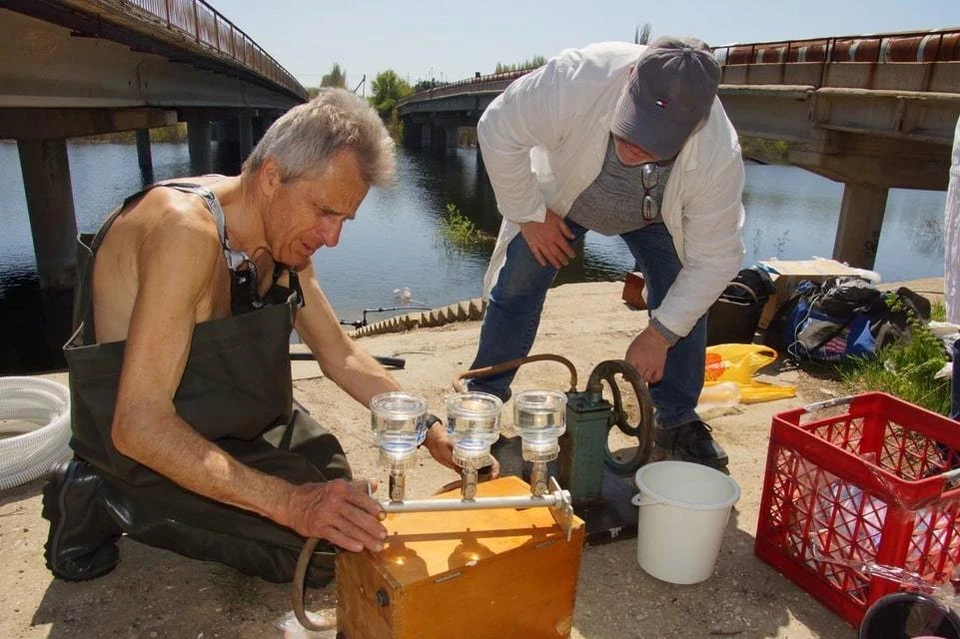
column 630, row 154
column 309, row 212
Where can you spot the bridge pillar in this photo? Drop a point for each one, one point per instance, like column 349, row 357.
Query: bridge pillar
column 46, row 181
column 412, row 134
column 259, row 128
column 143, row 155
column 269, row 118
column 438, row 138
column 245, row 122
column 198, row 139
column 858, row 231
column 426, row 136
column 228, row 145
column 451, row 138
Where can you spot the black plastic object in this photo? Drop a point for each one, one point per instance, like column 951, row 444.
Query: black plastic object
column 389, row 362
column 734, row 317
column 909, row 615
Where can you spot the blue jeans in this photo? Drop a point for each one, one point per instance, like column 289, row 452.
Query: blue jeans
column 955, row 383
column 516, row 301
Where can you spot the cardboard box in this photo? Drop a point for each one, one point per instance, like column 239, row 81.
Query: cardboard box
column 787, row 274
column 500, row 573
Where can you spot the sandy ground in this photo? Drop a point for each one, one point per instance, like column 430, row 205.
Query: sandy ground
column 155, row 593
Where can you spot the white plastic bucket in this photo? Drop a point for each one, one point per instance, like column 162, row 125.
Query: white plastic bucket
column 684, row 509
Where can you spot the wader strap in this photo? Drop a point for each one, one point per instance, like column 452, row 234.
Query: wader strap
column 83, row 308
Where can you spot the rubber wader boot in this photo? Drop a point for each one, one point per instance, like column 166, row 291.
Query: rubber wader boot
column 82, row 543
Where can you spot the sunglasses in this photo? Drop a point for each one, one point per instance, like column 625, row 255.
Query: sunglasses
column 649, row 178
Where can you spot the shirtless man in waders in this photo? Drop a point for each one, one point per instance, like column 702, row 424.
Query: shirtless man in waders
column 183, row 424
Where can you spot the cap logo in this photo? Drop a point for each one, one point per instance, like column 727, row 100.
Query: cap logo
column 662, row 104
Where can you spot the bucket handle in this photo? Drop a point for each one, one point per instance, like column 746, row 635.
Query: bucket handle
column 742, row 287
column 644, row 500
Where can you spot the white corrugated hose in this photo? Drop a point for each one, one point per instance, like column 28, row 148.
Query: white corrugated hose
column 34, row 428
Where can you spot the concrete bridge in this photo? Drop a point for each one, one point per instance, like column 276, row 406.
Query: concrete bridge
column 873, row 112
column 71, row 68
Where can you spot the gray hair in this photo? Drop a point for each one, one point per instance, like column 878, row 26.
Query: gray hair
column 307, row 136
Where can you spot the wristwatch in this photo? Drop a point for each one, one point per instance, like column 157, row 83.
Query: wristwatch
column 428, row 421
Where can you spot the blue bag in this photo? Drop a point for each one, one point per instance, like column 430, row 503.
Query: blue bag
column 829, row 321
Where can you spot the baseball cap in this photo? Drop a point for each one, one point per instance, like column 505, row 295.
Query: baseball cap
column 670, row 91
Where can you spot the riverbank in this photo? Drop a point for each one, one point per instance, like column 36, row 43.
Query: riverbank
column 173, row 134
column 155, row 593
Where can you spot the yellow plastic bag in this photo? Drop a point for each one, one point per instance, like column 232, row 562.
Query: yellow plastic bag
column 739, row 363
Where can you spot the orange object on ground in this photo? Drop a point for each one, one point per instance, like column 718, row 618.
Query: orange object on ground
column 739, row 363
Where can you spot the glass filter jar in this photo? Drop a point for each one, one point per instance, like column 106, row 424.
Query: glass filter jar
column 473, row 422
column 398, row 420
column 540, row 416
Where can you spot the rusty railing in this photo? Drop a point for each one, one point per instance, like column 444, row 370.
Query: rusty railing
column 917, row 46
column 206, row 26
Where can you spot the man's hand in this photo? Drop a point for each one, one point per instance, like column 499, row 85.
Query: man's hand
column 647, row 353
column 549, row 240
column 441, row 449
column 341, row 512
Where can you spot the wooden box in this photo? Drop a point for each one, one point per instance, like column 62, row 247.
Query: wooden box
column 471, row 573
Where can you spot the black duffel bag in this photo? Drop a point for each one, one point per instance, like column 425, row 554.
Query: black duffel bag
column 734, row 317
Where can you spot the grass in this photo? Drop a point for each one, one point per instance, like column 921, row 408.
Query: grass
column 459, row 230
column 905, row 369
column 938, row 311
column 174, row 133
column 769, row 151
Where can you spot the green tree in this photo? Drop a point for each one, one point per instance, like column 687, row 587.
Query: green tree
column 423, row 85
column 336, row 78
column 387, row 89
column 533, row 63
column 312, row 92
column 642, row 34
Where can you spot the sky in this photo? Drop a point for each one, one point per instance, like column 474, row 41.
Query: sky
column 450, row 40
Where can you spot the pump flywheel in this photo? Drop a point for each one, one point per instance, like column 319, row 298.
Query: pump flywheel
column 641, row 427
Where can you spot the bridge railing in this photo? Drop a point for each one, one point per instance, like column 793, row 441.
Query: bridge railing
column 209, row 28
column 909, row 46
column 492, row 82
column 919, row 46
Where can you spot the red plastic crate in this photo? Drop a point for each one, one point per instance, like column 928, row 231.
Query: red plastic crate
column 865, row 485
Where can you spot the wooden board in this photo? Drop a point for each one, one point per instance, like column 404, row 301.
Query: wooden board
column 472, row 573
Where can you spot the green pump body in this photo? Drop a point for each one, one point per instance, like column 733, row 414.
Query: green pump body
column 583, row 446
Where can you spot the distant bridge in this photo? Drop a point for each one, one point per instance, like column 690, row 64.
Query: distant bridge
column 71, row 68
column 873, row 112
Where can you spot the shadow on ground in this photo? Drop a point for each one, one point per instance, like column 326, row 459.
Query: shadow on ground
column 156, row 593
column 647, row 608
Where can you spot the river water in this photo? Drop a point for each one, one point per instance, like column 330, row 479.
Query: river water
column 395, row 241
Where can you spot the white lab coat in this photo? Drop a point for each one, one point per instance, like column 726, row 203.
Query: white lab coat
column 543, row 142
column 951, row 239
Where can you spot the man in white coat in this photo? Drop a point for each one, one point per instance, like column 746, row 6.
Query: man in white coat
column 951, row 271
column 623, row 140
